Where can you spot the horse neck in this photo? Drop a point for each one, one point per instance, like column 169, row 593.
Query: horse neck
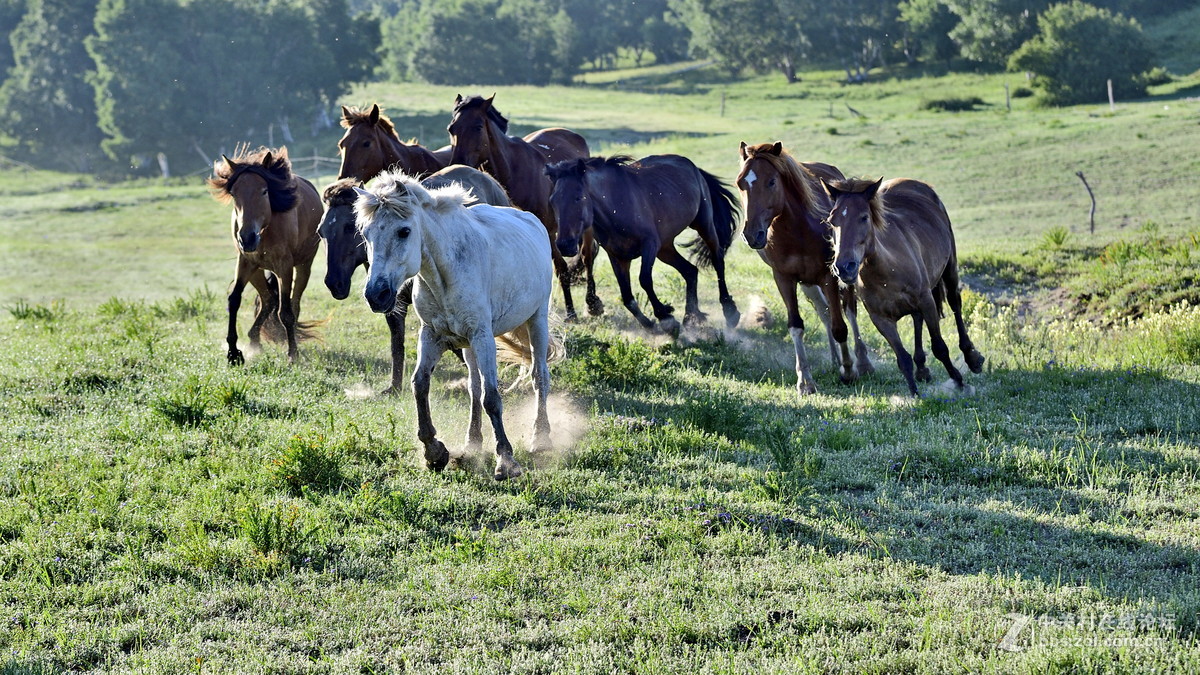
column 438, row 237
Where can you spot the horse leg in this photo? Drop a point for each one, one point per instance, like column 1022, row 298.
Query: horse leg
column 621, row 272
column 590, row 249
column 662, row 311
column 887, row 328
column 671, row 256
column 816, row 298
column 475, row 390
column 299, row 283
column 922, row 372
column 862, row 360
column 266, row 306
column 787, row 291
column 429, row 351
column 539, row 342
column 286, row 315
column 244, row 271
column 395, row 323
column 728, row 306
column 838, row 331
column 563, row 271
column 483, row 347
column 954, row 296
column 929, row 308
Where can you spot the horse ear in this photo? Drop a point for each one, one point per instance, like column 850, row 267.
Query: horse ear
column 369, row 197
column 374, row 113
column 777, row 149
column 457, row 99
column 345, row 113
column 869, row 193
column 742, row 151
column 833, row 192
column 267, row 159
column 229, row 165
column 490, row 99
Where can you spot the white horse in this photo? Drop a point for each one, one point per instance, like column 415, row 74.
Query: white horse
column 483, row 281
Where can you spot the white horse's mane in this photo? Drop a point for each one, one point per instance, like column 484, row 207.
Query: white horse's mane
column 401, row 195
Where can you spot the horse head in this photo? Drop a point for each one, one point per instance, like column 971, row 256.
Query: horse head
column 344, row 246
column 762, row 190
column 853, row 219
column 470, row 135
column 571, row 203
column 390, row 218
column 363, row 146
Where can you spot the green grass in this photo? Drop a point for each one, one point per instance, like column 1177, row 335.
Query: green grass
column 161, row 511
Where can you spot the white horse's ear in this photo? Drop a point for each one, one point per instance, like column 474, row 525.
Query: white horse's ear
column 369, row 198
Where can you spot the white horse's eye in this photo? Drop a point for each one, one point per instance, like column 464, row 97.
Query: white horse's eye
column 404, row 232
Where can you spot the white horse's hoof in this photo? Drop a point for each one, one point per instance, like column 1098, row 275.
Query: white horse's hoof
column 507, row 467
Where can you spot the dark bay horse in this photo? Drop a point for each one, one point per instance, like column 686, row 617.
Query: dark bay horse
column 371, row 145
column 275, row 218
column 895, row 242
column 479, row 138
column 785, row 212
column 346, row 250
column 636, row 209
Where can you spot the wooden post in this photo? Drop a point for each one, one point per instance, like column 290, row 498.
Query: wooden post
column 1092, row 215
column 722, row 104
column 1112, row 105
column 1007, row 99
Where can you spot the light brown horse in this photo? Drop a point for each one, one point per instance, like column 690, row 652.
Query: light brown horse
column 895, row 242
column 371, row 145
column 479, row 138
column 785, row 210
column 275, row 218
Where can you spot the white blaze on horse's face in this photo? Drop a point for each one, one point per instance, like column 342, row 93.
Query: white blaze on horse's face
column 750, row 178
column 850, row 220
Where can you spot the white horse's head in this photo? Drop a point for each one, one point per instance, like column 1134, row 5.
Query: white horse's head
column 390, row 215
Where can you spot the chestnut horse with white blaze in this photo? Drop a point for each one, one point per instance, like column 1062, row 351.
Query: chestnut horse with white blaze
column 894, row 241
column 483, row 281
column 785, row 210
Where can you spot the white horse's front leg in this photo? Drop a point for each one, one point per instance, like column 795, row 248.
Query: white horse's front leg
column 484, row 347
column 429, row 351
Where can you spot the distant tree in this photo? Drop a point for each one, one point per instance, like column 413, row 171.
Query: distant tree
column 757, row 35
column 11, row 12
column 1079, row 47
column 244, row 65
column 927, row 27
column 47, row 107
column 990, row 30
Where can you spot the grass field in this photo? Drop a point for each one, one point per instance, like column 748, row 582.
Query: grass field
column 163, row 512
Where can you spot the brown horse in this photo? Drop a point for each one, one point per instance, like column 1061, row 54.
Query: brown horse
column 371, row 145
column 346, row 249
column 895, row 242
column 785, row 210
column 623, row 202
column 479, row 138
column 275, row 217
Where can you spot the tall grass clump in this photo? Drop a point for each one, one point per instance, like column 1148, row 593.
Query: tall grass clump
column 307, row 462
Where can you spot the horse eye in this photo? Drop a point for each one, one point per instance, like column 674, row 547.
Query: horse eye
column 366, row 144
column 404, row 232
column 264, row 192
column 771, row 183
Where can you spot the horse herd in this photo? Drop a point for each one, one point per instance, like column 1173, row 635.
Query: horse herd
column 473, row 235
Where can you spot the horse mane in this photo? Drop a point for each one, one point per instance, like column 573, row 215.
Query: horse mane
column 401, row 195
column 492, row 114
column 576, row 168
column 354, row 116
column 281, row 182
column 797, row 176
column 341, row 192
column 880, row 213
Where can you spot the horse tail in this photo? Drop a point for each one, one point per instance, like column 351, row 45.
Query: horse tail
column 273, row 330
column 724, row 209
column 515, row 347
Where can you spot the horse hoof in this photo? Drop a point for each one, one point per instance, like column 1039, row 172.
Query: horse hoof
column 507, row 467
column 670, row 326
column 975, row 361
column 394, row 390
column 595, row 307
column 236, row 358
column 440, row 458
column 571, row 316
column 803, row 390
column 695, row 319
column 923, row 375
column 732, row 316
column 864, row 368
column 848, row 376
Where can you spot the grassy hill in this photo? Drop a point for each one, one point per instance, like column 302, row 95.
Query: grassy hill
column 162, row 512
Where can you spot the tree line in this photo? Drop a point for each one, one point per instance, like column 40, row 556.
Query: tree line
column 125, row 83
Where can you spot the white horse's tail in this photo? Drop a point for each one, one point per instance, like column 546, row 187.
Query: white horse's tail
column 515, row 347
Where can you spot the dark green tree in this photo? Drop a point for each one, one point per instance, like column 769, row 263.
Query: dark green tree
column 11, row 12
column 47, row 107
column 927, row 28
column 990, row 30
column 1078, row 48
column 757, row 35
